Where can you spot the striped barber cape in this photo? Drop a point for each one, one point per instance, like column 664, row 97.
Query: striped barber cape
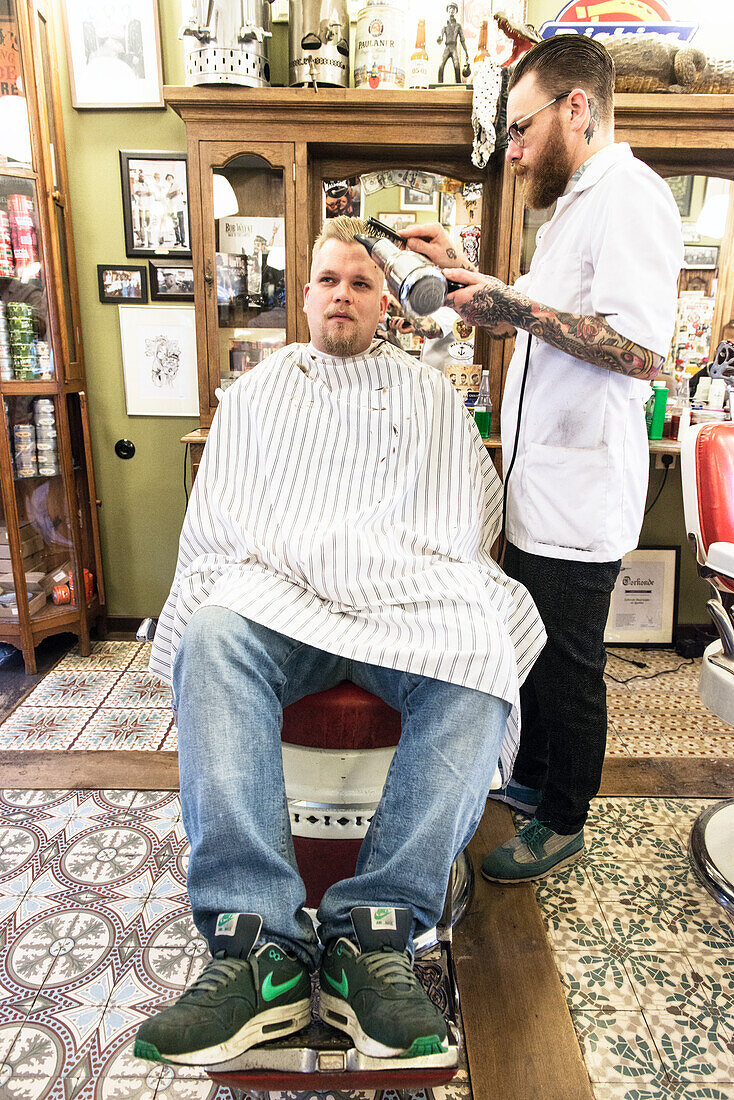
column 350, row 503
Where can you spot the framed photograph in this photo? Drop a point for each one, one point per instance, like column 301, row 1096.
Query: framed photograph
column 396, row 221
column 418, row 200
column 446, row 208
column 114, row 53
column 171, row 282
column 159, row 360
column 700, row 255
column 645, row 598
column 682, row 188
column 155, row 204
column 121, row 283
column 342, row 197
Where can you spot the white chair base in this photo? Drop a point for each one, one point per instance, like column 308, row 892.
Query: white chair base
column 711, row 852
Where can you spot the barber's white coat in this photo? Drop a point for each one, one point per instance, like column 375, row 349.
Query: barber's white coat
column 350, row 503
column 614, row 248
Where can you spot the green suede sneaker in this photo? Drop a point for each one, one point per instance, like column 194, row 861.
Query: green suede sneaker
column 532, row 854
column 371, row 991
column 240, row 1000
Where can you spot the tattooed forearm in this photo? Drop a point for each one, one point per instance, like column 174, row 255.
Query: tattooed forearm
column 426, row 327
column 590, row 339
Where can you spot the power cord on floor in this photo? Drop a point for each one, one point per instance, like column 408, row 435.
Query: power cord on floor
column 642, row 664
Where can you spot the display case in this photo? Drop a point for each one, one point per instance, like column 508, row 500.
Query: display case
column 277, row 148
column 50, row 562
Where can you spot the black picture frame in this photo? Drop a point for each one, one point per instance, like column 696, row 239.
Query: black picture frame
column 158, row 274
column 155, row 209
column 107, row 291
column 682, row 188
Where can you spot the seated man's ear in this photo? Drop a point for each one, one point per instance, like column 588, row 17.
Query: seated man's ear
column 383, row 304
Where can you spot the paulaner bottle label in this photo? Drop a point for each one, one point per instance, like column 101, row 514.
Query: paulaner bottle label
column 379, row 52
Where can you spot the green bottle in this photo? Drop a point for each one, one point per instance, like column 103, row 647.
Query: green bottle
column 483, row 407
column 655, row 409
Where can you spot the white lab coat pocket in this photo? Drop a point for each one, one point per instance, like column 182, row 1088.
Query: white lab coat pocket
column 566, row 496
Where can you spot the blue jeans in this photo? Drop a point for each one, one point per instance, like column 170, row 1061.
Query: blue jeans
column 231, row 680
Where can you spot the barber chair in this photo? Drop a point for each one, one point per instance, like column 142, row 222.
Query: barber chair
column 337, row 747
column 707, row 474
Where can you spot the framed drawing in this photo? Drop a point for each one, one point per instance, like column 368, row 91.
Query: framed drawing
column 171, row 282
column 122, row 283
column 159, row 360
column 114, row 53
column 645, row 598
column 411, row 199
column 155, row 203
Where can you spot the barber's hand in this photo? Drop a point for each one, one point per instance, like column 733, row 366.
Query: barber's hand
column 399, row 324
column 484, row 310
column 433, row 242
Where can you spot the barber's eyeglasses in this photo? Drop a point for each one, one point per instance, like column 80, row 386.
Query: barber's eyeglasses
column 516, row 132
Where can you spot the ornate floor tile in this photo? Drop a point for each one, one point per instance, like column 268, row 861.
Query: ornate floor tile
column 566, row 889
column 646, row 744
column 577, row 929
column 617, row 1046
column 673, row 721
column 139, row 689
column 141, row 658
column 631, row 841
column 72, row 688
column 595, row 979
column 126, row 728
column 615, row 745
column 709, row 931
column 693, row 1050
column 105, row 655
column 43, row 727
column 607, row 1091
column 684, row 811
column 629, row 811
column 701, row 744
column 659, row 977
column 639, row 930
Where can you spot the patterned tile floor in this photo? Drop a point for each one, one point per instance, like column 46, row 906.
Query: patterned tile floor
column 95, row 929
column 95, row 934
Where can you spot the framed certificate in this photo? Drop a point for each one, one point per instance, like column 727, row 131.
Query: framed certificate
column 645, row 598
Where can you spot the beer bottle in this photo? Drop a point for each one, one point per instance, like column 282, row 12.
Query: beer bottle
column 482, row 53
column 418, row 77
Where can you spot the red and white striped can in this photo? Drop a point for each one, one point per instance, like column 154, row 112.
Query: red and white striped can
column 22, row 232
column 6, row 249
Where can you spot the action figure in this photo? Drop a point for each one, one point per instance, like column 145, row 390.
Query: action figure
column 452, row 34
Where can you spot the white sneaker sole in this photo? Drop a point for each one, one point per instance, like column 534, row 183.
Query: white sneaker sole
column 336, row 1012
column 273, row 1023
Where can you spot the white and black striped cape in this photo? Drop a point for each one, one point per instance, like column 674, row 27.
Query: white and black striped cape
column 350, row 503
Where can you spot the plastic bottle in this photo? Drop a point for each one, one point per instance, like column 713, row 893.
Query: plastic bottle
column 483, row 407
column 418, row 71
column 681, row 410
column 655, row 409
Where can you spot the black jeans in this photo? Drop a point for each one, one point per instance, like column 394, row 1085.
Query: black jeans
column 563, row 702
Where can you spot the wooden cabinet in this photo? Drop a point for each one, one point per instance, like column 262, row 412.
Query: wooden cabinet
column 276, row 146
column 48, row 528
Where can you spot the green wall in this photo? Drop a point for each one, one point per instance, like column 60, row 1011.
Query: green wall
column 143, row 498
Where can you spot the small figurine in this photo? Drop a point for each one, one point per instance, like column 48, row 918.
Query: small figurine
column 452, row 34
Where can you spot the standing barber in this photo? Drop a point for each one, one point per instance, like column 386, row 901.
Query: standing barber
column 599, row 303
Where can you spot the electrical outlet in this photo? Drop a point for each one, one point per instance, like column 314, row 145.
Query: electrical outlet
column 665, row 461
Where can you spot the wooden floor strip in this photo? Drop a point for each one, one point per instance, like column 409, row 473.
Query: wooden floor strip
column 133, row 769
column 520, row 1040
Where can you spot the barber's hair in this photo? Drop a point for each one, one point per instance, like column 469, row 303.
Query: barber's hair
column 571, row 61
column 342, row 228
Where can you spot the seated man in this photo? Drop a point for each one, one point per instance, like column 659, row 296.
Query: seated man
column 339, row 529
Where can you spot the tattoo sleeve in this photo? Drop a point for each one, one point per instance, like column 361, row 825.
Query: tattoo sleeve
column 590, row 339
column 423, row 326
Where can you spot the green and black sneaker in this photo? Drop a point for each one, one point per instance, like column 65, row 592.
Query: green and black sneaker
column 371, row 991
column 242, row 998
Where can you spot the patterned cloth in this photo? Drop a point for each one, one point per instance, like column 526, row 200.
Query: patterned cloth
column 350, row 503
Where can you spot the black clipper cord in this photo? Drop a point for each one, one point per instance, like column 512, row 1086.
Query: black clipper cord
column 514, row 450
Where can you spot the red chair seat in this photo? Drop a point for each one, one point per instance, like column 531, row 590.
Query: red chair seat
column 343, row 717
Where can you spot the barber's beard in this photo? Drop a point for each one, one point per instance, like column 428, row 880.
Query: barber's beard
column 547, row 181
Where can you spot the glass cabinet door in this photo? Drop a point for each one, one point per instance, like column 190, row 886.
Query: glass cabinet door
column 247, row 279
